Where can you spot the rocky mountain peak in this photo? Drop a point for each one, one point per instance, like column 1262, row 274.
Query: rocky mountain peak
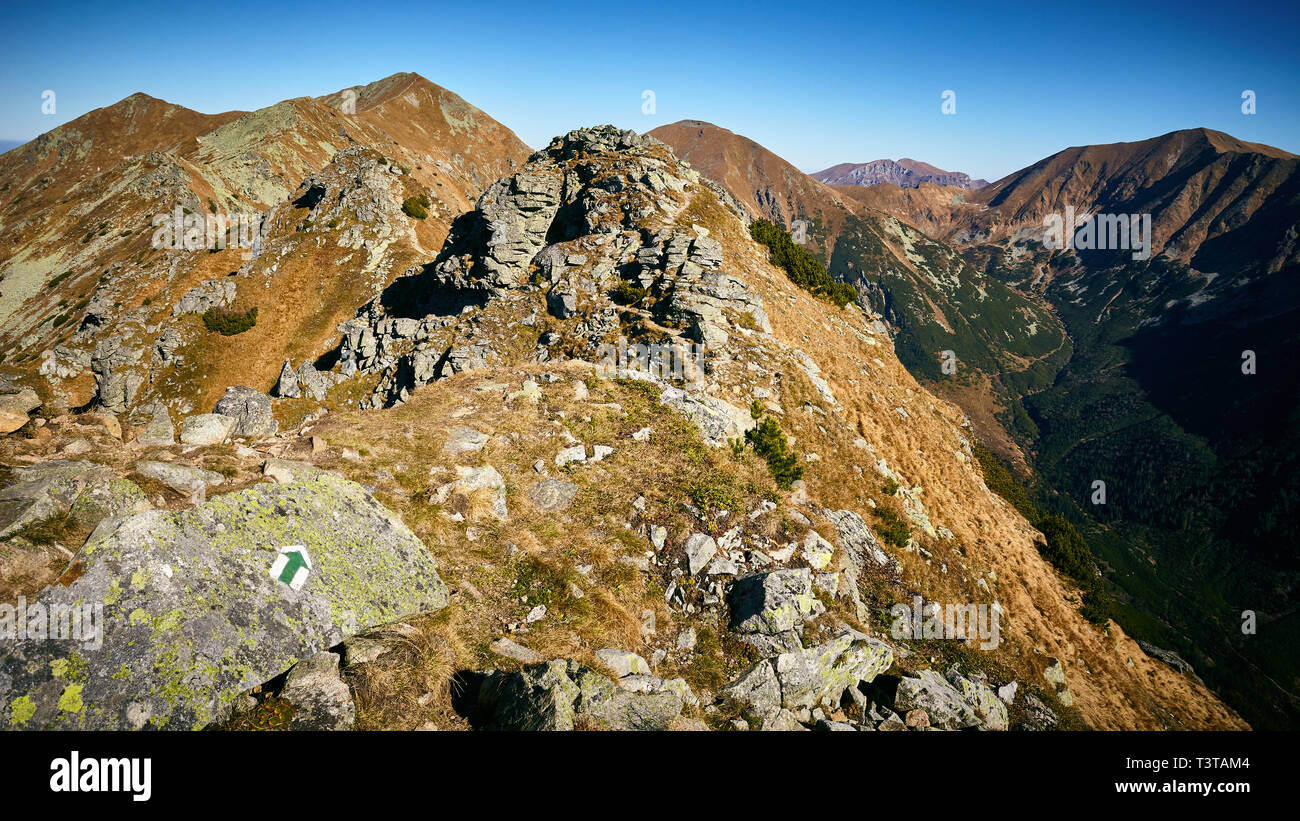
column 587, row 243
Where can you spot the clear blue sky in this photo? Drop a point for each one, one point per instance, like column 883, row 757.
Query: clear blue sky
column 818, row 83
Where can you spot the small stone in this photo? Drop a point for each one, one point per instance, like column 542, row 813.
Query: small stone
column 700, row 548
column 77, row 447
column 577, row 453
column 108, row 422
column 464, row 440
column 658, row 536
column 552, row 494
column 518, row 652
column 623, row 663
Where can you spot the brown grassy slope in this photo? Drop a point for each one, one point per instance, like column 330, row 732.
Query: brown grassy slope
column 462, row 149
column 1198, row 185
column 235, row 161
column 1115, row 685
column 935, row 209
column 102, row 138
column 766, row 185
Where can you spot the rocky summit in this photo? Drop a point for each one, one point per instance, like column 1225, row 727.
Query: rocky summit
column 475, row 440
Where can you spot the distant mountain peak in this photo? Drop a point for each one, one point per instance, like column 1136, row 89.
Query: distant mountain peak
column 905, row 173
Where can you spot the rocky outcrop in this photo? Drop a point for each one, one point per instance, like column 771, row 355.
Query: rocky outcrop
column 213, row 293
column 116, row 382
column 564, row 695
column 768, row 610
column 945, row 706
column 802, row 679
column 585, row 217
column 251, row 411
column 87, row 490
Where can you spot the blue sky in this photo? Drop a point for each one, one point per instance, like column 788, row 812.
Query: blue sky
column 818, row 83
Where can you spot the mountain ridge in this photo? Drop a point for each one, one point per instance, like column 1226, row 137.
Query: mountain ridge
column 905, row 173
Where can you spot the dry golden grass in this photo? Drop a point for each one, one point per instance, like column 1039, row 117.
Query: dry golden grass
column 1115, row 685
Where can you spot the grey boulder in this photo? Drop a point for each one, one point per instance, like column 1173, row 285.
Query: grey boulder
column 768, row 609
column 207, row 429
column 199, row 606
column 251, row 410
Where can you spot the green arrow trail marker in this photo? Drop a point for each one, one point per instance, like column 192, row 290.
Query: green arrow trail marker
column 292, row 566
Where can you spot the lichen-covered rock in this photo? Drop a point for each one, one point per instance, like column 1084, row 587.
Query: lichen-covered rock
column 194, row 612
column 251, row 410
column 757, row 690
column 182, row 478
column 944, row 705
column 822, row 673
column 768, row 609
column 623, row 662
column 982, row 699
column 857, row 540
column 719, row 421
column 538, row 697
column 46, row 488
column 564, row 695
column 803, row 679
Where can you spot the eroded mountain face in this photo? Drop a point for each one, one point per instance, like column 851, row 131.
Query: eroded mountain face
column 1162, row 397
column 934, row 300
column 1144, row 379
column 124, row 226
column 557, row 406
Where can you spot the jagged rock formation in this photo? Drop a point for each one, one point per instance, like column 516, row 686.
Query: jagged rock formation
column 593, row 212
